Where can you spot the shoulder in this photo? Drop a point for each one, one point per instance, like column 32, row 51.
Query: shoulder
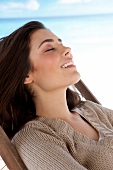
column 97, row 107
column 98, row 112
column 36, row 132
column 33, row 129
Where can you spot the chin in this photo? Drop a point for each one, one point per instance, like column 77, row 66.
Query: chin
column 73, row 82
column 76, row 78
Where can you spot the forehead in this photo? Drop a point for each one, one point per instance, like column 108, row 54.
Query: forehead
column 40, row 35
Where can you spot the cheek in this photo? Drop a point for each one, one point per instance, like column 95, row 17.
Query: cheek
column 48, row 64
column 46, row 75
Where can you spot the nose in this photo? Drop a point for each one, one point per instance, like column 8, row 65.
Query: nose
column 66, row 52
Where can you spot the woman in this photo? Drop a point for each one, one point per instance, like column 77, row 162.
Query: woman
column 51, row 127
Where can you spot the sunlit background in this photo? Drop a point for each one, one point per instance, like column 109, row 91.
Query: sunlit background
column 84, row 25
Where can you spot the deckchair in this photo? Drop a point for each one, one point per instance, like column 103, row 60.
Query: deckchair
column 8, row 152
column 85, row 92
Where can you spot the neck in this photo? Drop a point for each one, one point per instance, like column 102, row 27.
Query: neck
column 52, row 104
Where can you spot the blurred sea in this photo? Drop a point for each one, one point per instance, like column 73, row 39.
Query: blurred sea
column 91, row 40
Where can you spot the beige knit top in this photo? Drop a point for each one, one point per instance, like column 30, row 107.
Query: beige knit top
column 52, row 144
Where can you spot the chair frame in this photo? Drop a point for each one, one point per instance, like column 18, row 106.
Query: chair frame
column 85, row 92
column 9, row 154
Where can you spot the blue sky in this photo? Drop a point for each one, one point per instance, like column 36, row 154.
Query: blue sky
column 45, row 8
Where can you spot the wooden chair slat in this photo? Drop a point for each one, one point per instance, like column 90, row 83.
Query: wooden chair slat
column 85, row 92
column 9, row 154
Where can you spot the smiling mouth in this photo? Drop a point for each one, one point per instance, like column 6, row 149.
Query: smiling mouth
column 71, row 63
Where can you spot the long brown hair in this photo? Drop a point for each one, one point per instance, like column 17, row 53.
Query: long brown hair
column 16, row 104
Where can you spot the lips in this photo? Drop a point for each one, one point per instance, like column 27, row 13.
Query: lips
column 67, row 64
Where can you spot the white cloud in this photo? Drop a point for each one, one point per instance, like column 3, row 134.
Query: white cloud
column 73, row 1
column 30, row 5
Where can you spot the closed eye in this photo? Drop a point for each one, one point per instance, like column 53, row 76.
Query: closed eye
column 50, row 49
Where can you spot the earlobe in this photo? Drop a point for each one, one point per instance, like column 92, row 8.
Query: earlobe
column 28, row 79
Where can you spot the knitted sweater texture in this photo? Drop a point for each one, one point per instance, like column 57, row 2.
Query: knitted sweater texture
column 52, row 144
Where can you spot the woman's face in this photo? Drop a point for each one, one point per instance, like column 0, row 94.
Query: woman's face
column 52, row 62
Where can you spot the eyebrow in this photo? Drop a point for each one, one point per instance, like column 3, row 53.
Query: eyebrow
column 49, row 40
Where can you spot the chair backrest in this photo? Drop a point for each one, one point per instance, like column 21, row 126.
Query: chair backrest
column 8, row 152
column 85, row 92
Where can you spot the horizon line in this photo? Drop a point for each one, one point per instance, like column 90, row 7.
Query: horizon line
column 61, row 16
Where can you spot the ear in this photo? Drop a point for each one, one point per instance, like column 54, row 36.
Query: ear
column 28, row 79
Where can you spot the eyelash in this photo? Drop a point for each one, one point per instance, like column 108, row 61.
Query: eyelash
column 50, row 49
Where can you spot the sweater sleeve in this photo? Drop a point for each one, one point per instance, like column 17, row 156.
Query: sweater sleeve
column 43, row 151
